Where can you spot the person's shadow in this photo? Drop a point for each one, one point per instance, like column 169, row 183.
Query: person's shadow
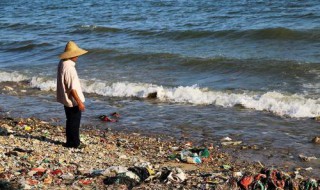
column 5, row 185
column 5, row 132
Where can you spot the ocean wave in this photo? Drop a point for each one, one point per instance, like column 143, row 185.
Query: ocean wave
column 278, row 33
column 12, row 77
column 281, row 33
column 290, row 105
column 28, row 46
column 278, row 103
column 132, row 56
column 22, row 45
column 95, row 28
column 217, row 64
column 20, row 26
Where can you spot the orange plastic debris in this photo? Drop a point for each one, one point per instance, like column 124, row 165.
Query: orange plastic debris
column 246, row 181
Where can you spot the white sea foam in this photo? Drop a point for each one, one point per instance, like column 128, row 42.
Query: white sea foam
column 13, row 76
column 275, row 102
column 281, row 104
column 43, row 84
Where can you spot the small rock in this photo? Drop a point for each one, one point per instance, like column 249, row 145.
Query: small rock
column 67, row 176
column 317, row 118
column 231, row 143
column 152, row 95
column 123, row 156
column 226, row 139
column 237, row 174
column 8, row 88
column 308, row 169
column 17, row 173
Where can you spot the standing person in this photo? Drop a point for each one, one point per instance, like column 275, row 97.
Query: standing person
column 69, row 93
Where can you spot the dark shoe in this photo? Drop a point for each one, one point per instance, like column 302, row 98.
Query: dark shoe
column 67, row 145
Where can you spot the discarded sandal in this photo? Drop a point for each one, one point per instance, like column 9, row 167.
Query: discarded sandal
column 276, row 179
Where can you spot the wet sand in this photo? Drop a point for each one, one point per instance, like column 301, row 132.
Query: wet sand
column 33, row 157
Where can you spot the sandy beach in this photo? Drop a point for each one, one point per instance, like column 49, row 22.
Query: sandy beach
column 33, row 157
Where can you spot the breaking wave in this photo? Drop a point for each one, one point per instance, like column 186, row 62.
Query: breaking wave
column 13, row 76
column 289, row 105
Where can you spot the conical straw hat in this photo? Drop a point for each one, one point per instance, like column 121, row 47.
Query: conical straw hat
column 72, row 50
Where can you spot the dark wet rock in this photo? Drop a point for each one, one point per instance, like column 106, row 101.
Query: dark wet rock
column 152, row 95
column 317, row 118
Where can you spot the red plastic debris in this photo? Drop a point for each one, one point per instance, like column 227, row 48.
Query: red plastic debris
column 276, row 179
column 85, row 181
column 107, row 119
column 57, row 172
column 258, row 177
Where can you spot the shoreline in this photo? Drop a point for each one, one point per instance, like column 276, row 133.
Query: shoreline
column 32, row 153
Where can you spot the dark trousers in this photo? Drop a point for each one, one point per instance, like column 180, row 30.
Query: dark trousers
column 73, row 115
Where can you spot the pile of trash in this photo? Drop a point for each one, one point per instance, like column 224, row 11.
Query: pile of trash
column 191, row 156
column 229, row 178
column 266, row 179
column 32, row 157
column 134, row 176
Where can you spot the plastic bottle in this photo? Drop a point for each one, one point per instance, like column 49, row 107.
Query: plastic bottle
column 193, row 160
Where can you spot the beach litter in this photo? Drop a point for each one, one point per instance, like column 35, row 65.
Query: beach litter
column 114, row 117
column 191, row 156
column 107, row 119
column 29, row 161
column 228, row 143
column 307, row 158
